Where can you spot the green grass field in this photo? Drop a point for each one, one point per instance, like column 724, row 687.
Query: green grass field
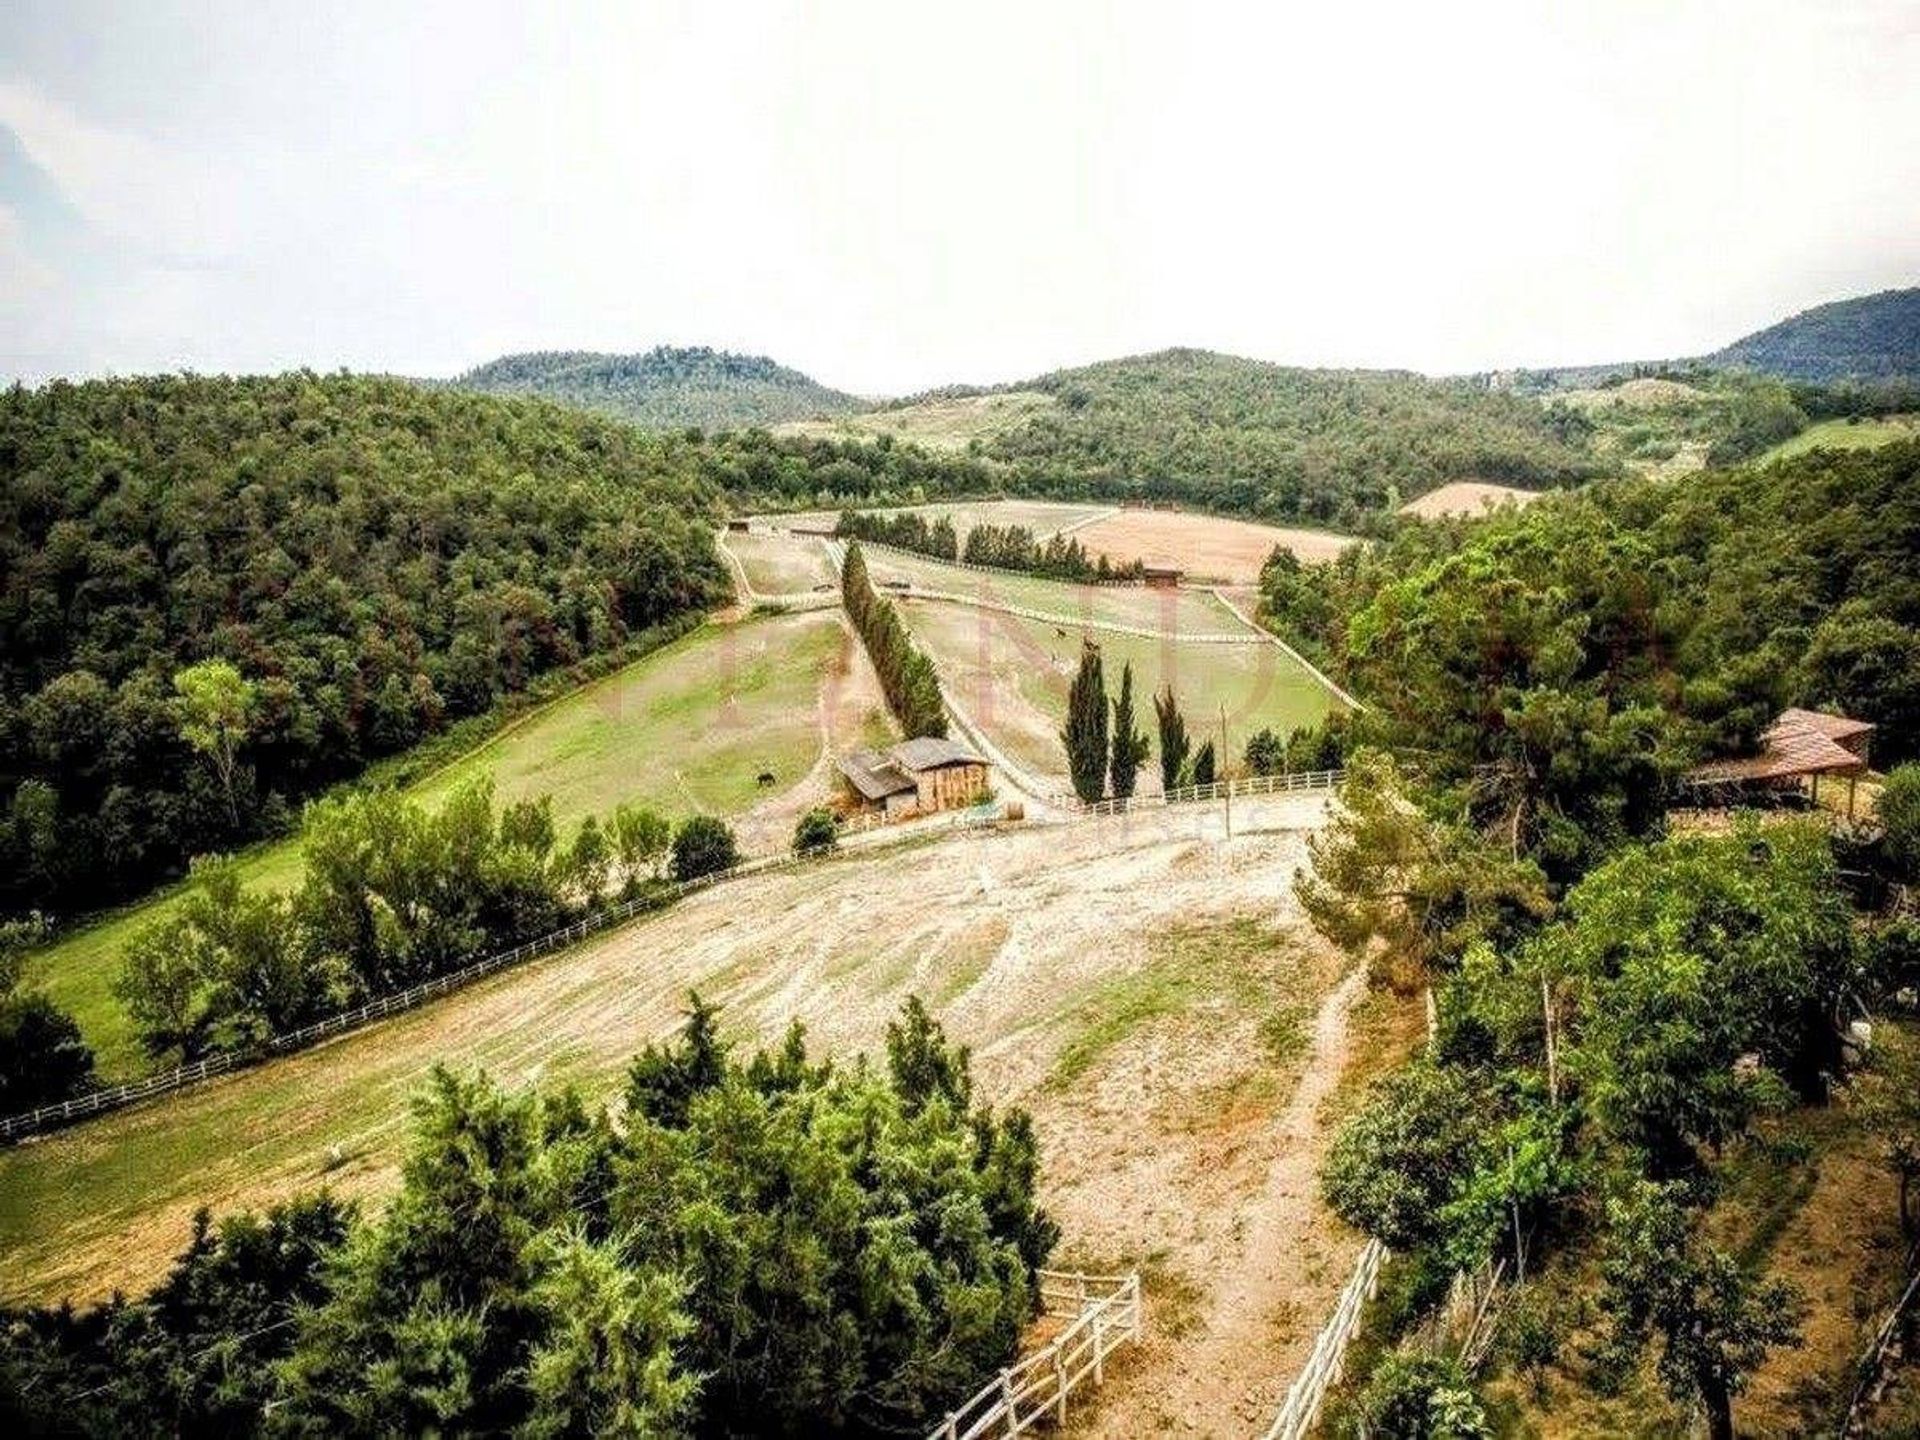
column 688, row 728
column 1011, row 676
column 1166, row 611
column 1847, row 435
column 780, row 564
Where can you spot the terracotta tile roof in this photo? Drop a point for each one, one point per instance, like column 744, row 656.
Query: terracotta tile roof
column 1800, row 742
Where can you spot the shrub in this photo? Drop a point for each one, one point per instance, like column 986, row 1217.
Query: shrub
column 1422, row 1397
column 817, row 833
column 703, row 845
column 1899, row 811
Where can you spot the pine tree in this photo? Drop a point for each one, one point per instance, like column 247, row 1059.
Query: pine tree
column 1130, row 747
column 1173, row 738
column 1086, row 734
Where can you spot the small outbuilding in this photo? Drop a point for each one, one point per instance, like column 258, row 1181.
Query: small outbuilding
column 1795, row 752
column 915, row 777
column 1161, row 574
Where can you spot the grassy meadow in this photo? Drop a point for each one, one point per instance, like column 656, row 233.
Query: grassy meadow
column 1846, row 435
column 686, row 729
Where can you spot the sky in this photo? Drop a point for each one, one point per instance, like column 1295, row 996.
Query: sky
column 896, row 195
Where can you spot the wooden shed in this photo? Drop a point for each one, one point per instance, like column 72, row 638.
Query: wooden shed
column 915, row 777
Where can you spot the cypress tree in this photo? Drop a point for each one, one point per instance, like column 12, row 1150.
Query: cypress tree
column 1086, row 734
column 1205, row 772
column 1130, row 748
column 1173, row 737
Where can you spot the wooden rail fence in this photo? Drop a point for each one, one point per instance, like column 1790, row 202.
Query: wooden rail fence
column 1324, row 1366
column 1299, row 782
column 1106, row 1314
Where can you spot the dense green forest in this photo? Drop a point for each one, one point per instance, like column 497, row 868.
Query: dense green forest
column 775, row 1246
column 1627, row 1013
column 664, row 388
column 1868, row 337
column 1566, row 659
column 1270, row 442
column 219, row 595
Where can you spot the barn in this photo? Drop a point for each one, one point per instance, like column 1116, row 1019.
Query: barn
column 915, row 777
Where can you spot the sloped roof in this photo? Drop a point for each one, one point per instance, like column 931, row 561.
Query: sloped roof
column 1821, row 722
column 930, row 752
column 1800, row 742
column 874, row 775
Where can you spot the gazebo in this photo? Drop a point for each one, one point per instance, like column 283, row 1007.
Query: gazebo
column 1795, row 751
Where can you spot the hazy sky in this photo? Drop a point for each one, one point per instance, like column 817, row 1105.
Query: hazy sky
column 895, row 195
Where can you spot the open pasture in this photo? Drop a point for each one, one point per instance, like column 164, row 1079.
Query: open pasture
column 780, row 564
column 1177, row 612
column 1207, row 547
column 687, row 729
column 1847, row 435
column 1011, row 675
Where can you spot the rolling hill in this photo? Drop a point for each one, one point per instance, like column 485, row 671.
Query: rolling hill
column 1870, row 337
column 1222, row 432
column 664, row 388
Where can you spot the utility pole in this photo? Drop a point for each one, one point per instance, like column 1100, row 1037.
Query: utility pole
column 1220, row 769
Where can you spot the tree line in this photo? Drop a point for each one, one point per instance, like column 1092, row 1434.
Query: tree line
column 999, row 547
column 907, row 676
column 775, row 1246
column 392, row 894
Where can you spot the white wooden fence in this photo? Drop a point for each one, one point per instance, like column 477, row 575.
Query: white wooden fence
column 1324, row 1366
column 1298, row 782
column 1106, row 1314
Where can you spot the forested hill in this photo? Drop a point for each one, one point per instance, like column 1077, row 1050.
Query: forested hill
column 665, row 388
column 1870, row 337
column 372, row 559
column 1257, row 439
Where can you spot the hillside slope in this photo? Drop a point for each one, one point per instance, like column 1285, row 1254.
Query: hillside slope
column 1247, row 437
column 1870, row 337
column 664, row 388
column 375, row 559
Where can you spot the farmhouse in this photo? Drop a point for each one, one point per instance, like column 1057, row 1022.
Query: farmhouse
column 915, row 777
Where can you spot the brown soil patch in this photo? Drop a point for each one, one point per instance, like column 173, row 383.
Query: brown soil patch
column 1207, row 547
column 1466, row 497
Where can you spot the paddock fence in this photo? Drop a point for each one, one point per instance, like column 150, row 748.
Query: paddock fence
column 1325, row 1365
column 1296, row 783
column 1105, row 1311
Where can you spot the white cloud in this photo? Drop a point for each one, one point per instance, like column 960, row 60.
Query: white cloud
column 892, row 196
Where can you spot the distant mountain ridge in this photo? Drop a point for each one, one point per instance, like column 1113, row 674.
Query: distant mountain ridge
column 666, row 387
column 1870, row 337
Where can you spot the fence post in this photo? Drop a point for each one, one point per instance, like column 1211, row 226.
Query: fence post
column 1006, row 1402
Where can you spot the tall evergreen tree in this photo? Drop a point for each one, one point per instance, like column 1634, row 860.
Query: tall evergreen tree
column 1173, row 737
column 1086, row 734
column 1130, row 747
